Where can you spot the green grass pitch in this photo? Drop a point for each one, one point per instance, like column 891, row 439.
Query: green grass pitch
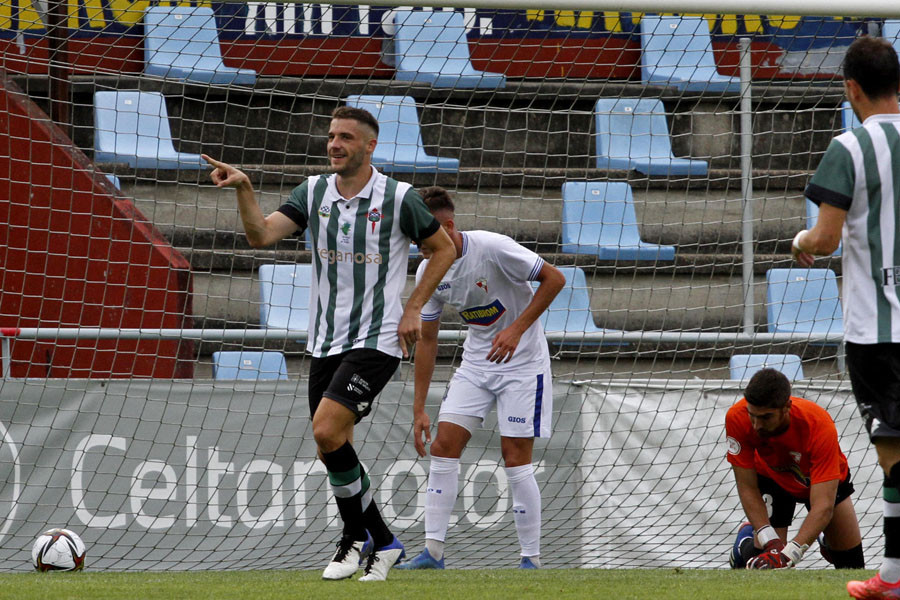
column 668, row 584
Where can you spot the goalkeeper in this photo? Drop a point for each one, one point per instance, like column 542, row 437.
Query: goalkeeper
column 785, row 450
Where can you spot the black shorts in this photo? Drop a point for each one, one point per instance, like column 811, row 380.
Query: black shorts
column 875, row 379
column 352, row 378
column 781, row 503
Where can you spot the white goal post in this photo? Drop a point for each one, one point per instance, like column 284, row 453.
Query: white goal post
column 126, row 274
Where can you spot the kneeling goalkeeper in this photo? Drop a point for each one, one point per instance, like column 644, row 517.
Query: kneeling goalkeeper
column 785, row 450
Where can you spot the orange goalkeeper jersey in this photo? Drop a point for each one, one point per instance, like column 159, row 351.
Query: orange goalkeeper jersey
column 807, row 453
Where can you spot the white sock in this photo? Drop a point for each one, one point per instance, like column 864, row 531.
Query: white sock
column 440, row 496
column 890, row 570
column 526, row 498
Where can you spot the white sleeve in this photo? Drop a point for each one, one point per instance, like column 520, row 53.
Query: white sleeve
column 516, row 260
column 434, row 307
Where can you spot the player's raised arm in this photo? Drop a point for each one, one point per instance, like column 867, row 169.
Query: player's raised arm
column 260, row 230
column 426, row 354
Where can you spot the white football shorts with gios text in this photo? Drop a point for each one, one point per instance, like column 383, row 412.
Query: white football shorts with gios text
column 524, row 400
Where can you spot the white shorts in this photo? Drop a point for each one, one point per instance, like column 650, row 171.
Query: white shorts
column 524, row 400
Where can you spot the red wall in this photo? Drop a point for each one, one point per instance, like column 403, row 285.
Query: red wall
column 75, row 253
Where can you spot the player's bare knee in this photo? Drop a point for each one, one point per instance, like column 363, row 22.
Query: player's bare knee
column 516, row 451
column 444, row 448
column 328, row 439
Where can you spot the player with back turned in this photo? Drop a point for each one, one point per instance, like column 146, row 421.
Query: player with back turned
column 857, row 188
column 361, row 223
column 784, row 451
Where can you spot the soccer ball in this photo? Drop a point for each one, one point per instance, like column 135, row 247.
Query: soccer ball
column 58, row 550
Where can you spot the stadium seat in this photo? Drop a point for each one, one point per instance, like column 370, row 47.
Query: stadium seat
column 284, row 296
column 676, row 51
column 182, row 42
column 848, row 117
column 115, row 181
column 133, row 127
column 803, row 301
column 632, row 134
column 743, row 366
column 249, row 365
column 812, row 215
column 599, row 219
column 570, row 311
column 431, row 47
column 400, row 148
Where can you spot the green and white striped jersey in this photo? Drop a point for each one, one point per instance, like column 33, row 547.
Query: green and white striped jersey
column 860, row 173
column 360, row 256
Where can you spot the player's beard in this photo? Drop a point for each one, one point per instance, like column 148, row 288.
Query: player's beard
column 352, row 164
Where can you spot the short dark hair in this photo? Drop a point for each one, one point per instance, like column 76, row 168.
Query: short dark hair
column 768, row 388
column 872, row 63
column 437, row 198
column 360, row 115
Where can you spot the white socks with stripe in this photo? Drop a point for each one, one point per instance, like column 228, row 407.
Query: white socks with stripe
column 440, row 496
column 526, row 499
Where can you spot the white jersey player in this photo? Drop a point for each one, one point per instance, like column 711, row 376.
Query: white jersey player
column 505, row 364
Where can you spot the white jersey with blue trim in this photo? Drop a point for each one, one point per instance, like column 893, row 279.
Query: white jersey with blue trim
column 490, row 287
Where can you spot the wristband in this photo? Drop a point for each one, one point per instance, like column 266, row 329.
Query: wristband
column 766, row 534
column 796, row 243
column 794, row 551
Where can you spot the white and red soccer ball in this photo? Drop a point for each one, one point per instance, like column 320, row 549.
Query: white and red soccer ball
column 58, row 550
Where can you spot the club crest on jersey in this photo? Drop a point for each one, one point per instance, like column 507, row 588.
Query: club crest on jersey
column 482, row 283
column 325, row 211
column 483, row 315
column 374, row 217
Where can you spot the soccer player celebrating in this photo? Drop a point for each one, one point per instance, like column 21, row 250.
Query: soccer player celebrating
column 361, row 223
column 505, row 363
column 857, row 188
column 785, row 450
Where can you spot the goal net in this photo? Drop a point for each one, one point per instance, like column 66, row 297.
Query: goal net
column 154, row 394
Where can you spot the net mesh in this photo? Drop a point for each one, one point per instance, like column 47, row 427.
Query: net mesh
column 607, row 142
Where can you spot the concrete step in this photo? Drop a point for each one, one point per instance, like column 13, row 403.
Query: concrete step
column 695, row 221
column 529, row 124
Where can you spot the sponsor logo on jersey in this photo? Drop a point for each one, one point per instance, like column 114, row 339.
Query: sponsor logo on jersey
column 734, row 446
column 444, row 285
column 796, row 456
column 890, row 276
column 483, row 315
column 517, row 419
column 345, row 228
column 336, row 256
column 325, row 211
column 482, row 283
column 374, row 217
column 354, row 389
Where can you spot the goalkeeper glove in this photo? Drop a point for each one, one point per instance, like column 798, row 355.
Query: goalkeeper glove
column 778, row 555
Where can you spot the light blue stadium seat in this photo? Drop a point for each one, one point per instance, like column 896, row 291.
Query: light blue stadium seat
column 803, row 301
column 133, row 127
column 632, row 134
column 598, row 218
column 848, row 117
column 677, row 51
column 812, row 215
column 284, row 296
column 744, row 366
column 431, row 47
column 182, row 42
column 400, row 148
column 570, row 311
column 115, row 181
column 249, row 365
